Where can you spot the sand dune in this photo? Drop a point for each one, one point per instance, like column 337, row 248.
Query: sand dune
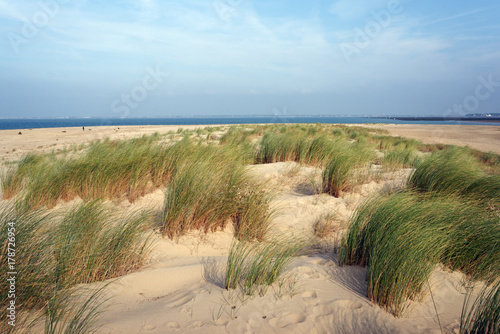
column 180, row 289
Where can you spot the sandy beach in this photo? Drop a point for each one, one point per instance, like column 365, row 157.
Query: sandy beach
column 13, row 145
column 179, row 289
column 482, row 138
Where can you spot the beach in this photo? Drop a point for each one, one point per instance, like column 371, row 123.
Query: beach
column 13, row 145
column 179, row 289
column 483, row 138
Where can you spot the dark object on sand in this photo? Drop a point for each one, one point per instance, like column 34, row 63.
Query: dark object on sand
column 83, row 128
column 20, row 133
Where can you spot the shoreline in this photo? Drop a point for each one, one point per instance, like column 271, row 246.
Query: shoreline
column 30, row 124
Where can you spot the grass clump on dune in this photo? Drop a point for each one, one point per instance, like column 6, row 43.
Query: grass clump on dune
column 450, row 171
column 55, row 252
column 343, row 169
column 254, row 267
column 252, row 217
column 112, row 169
column 489, row 161
column 40, row 177
column 342, row 161
column 307, row 145
column 388, row 143
column 107, row 168
column 338, row 173
column 93, row 244
column 401, row 237
column 326, row 225
column 319, row 149
column 277, row 147
column 212, row 190
column 455, row 172
column 73, row 312
column 400, row 158
column 33, row 254
column 200, row 195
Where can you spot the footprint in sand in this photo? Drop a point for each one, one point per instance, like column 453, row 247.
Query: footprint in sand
column 310, row 297
column 308, row 272
column 197, row 324
column 330, row 308
column 173, row 324
column 186, row 310
column 221, row 322
column 149, row 327
column 347, row 304
column 290, row 319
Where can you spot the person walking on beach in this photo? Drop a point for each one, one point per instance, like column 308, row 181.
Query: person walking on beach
column 83, row 128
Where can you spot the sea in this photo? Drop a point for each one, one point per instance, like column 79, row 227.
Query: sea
column 14, row 124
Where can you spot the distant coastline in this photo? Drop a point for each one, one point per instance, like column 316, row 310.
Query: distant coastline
column 444, row 119
column 35, row 123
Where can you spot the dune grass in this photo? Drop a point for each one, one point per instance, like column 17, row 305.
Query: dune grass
column 450, row 171
column 401, row 237
column 342, row 160
column 33, row 255
column 134, row 167
column 107, row 168
column 326, row 225
column 344, row 169
column 201, row 193
column 388, row 143
column 311, row 145
column 455, row 172
column 56, row 251
column 93, row 244
column 75, row 312
column 254, row 267
column 400, row 158
column 338, row 173
column 489, row 161
column 252, row 216
column 483, row 316
column 277, row 147
column 211, row 190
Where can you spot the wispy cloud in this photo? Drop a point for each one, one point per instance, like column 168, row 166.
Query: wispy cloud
column 456, row 16
column 355, row 9
column 10, row 11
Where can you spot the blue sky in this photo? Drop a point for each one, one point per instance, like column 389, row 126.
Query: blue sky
column 139, row 58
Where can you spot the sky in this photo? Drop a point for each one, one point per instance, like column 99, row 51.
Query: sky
column 147, row 58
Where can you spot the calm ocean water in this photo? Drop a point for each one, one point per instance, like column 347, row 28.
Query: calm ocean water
column 9, row 124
